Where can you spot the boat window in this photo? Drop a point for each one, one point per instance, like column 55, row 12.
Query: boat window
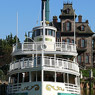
column 38, row 60
column 41, row 32
column 35, row 33
column 46, row 32
column 38, row 75
column 72, row 79
column 26, row 77
column 14, row 78
column 33, row 76
column 59, row 77
column 65, row 75
column 50, row 32
column 38, row 32
column 20, row 77
column 49, row 76
column 53, row 32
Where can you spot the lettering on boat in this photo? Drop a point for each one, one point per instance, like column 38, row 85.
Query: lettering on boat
column 49, row 87
column 36, row 87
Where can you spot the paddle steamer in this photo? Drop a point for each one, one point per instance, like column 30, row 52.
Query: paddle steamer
column 42, row 66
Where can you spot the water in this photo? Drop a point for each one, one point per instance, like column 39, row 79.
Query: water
column 86, row 92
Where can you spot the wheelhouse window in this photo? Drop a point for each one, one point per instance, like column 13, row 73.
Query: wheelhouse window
column 53, row 32
column 50, row 32
column 41, row 31
column 46, row 32
column 87, row 59
column 68, row 26
column 49, row 76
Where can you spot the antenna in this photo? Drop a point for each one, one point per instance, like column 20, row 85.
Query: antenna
column 17, row 30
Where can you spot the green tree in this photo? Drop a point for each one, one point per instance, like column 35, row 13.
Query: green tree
column 5, row 51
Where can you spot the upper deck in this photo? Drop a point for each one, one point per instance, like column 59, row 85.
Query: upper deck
column 50, row 63
column 50, row 48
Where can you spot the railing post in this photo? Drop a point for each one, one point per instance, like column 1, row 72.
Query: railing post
column 61, row 46
column 50, row 62
column 72, row 48
column 28, row 63
column 62, row 63
column 66, row 47
column 55, row 46
column 19, row 64
column 67, row 65
column 23, row 63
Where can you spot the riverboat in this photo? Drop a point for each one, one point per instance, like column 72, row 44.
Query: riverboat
column 43, row 66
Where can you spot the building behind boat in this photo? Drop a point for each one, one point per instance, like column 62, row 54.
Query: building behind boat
column 85, row 40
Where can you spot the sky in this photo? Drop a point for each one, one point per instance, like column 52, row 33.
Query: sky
column 29, row 11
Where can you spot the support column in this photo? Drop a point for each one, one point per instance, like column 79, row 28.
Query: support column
column 18, row 78
column 29, row 76
column 42, row 79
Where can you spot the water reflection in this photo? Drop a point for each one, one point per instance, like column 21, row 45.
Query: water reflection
column 86, row 92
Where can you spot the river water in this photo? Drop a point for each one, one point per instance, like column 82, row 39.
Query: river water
column 86, row 92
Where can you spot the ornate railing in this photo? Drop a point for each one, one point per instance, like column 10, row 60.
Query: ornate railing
column 58, row 46
column 12, row 88
column 48, row 62
column 75, row 89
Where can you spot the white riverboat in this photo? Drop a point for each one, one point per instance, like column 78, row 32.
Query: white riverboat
column 42, row 66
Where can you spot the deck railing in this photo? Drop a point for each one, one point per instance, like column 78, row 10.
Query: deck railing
column 48, row 62
column 74, row 89
column 12, row 88
column 58, row 46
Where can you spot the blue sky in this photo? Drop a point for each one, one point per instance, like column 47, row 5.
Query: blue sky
column 29, row 12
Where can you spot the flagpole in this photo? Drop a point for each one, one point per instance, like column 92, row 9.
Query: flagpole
column 17, row 30
column 74, row 29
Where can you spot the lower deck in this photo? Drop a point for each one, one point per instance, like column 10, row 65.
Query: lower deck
column 44, row 88
column 43, row 82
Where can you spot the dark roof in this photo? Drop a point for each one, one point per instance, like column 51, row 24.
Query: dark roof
column 86, row 30
column 67, row 10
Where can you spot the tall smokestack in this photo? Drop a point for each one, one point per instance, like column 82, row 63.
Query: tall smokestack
column 46, row 11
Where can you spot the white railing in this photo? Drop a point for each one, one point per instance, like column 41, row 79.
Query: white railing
column 48, row 62
column 58, row 46
column 72, row 88
column 12, row 88
column 75, row 89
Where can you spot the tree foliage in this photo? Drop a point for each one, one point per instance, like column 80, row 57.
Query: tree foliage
column 5, row 51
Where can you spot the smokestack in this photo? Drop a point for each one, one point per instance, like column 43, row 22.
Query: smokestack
column 46, row 11
column 79, row 18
